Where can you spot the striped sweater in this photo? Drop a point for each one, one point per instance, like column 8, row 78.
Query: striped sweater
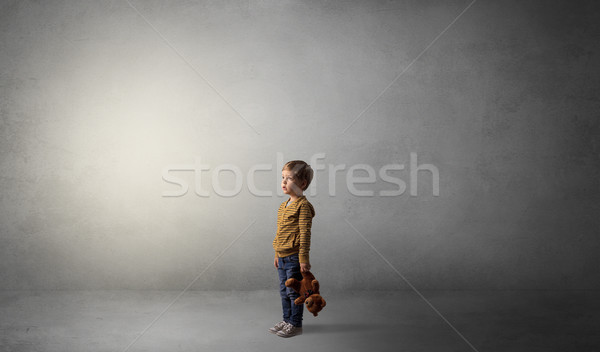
column 293, row 229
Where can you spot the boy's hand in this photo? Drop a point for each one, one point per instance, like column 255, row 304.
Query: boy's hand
column 304, row 267
column 276, row 263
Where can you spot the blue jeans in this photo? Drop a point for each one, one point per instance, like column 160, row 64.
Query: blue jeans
column 289, row 267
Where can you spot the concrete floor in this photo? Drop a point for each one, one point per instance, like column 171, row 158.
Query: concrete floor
column 352, row 321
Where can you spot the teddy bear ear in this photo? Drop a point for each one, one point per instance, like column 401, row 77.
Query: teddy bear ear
column 324, row 303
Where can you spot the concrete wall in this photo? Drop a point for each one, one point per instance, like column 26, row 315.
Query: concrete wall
column 100, row 99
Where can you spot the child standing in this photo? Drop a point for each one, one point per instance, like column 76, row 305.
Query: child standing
column 292, row 243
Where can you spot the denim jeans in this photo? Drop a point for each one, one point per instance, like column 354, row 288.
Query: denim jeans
column 290, row 267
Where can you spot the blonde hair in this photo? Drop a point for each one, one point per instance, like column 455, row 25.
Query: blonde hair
column 301, row 170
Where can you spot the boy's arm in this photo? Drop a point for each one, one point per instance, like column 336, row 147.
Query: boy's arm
column 305, row 223
column 276, row 261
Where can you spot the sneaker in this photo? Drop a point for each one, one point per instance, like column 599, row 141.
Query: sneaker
column 279, row 326
column 289, row 330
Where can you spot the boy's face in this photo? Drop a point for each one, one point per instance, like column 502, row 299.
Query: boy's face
column 289, row 183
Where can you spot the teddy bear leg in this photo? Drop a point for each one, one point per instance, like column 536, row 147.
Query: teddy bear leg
column 293, row 284
column 315, row 285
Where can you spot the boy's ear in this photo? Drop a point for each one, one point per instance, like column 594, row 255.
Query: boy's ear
column 304, row 185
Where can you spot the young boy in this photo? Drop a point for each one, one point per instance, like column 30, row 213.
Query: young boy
column 292, row 242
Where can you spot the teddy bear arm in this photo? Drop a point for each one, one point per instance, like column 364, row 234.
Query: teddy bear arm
column 299, row 300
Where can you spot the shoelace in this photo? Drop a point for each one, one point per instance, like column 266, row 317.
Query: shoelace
column 288, row 328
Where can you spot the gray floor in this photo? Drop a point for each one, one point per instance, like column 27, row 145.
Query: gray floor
column 352, row 321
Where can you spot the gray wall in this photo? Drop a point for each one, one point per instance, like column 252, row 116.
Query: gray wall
column 98, row 101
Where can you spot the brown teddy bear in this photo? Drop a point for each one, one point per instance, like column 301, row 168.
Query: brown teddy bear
column 308, row 289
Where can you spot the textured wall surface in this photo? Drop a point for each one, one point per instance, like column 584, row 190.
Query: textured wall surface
column 100, row 99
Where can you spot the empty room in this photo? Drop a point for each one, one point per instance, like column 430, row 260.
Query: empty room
column 264, row 175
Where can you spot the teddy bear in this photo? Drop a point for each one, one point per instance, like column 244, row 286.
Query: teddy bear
column 308, row 289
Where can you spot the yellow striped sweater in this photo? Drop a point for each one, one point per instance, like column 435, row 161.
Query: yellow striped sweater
column 293, row 229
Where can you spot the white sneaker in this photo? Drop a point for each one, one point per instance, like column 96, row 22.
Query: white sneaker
column 289, row 330
column 278, row 327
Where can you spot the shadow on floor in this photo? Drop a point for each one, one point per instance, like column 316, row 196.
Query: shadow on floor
column 336, row 328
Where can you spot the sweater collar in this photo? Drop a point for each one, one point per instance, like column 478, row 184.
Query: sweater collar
column 294, row 202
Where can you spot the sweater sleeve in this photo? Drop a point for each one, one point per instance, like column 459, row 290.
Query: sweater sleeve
column 305, row 223
column 277, row 229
